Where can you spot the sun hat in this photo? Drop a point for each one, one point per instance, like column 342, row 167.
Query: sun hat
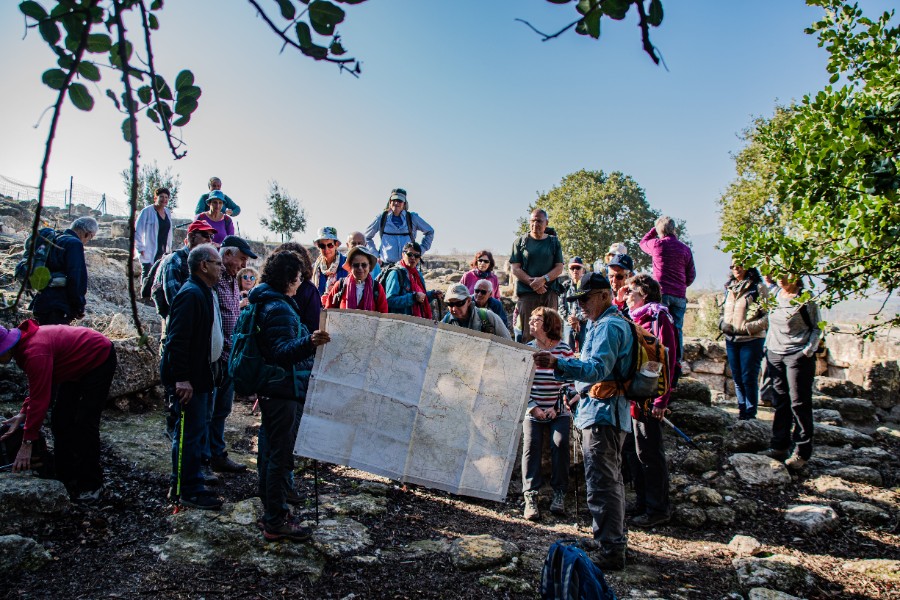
column 618, row 248
column 9, row 338
column 215, row 195
column 327, row 233
column 457, row 291
column 373, row 260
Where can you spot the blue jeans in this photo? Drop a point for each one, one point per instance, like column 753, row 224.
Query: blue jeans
column 745, row 360
column 677, row 307
column 187, row 443
column 276, row 447
column 219, row 409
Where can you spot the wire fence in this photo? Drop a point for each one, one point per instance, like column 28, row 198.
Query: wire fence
column 81, row 194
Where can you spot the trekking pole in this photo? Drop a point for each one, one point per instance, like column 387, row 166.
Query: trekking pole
column 316, row 487
column 180, row 455
column 680, row 433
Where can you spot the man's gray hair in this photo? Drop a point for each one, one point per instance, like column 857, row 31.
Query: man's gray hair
column 228, row 250
column 665, row 226
column 490, row 286
column 85, row 225
column 201, row 253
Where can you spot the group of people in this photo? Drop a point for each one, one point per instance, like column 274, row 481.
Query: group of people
column 578, row 326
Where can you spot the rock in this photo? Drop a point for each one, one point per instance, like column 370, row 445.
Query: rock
column 119, row 229
column 865, row 513
column 473, row 552
column 716, row 383
column 767, row 594
column 714, row 350
column 692, row 389
column 694, row 418
column 880, row 380
column 689, row 515
column 206, row 537
column 699, row 461
column 855, row 409
column 421, row 548
column 19, row 553
column 137, row 368
column 749, row 436
column 703, row 496
column 856, row 474
column 364, row 505
column 812, row 518
column 375, row 488
column 720, row 515
column 876, row 568
column 759, row 470
column 744, row 545
column 503, row 582
column 745, row 507
column 827, row 416
column 820, row 401
column 691, row 350
column 712, row 367
column 837, row 388
column 139, row 439
column 778, row 571
column 340, row 537
column 832, row 487
column 888, row 432
column 26, row 501
column 839, row 436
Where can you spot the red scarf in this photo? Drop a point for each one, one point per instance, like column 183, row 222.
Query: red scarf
column 368, row 298
column 422, row 310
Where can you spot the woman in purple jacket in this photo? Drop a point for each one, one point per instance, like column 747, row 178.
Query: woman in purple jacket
column 647, row 459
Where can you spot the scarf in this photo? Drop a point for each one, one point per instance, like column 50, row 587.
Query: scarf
column 320, row 268
column 482, row 274
column 415, row 284
column 368, row 297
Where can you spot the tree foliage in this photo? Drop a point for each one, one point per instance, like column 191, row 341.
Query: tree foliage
column 151, row 178
column 286, row 216
column 836, row 179
column 591, row 210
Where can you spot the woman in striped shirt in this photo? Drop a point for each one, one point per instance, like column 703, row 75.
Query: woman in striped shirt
column 547, row 415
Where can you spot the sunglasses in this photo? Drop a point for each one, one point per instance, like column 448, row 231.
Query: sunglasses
column 362, row 265
column 736, row 267
column 207, row 234
column 248, row 277
column 481, row 292
column 456, row 303
column 323, row 246
column 619, row 276
column 483, row 260
column 413, row 254
column 575, row 268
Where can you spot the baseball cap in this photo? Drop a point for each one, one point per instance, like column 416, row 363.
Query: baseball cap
column 591, row 283
column 621, row 260
column 233, row 241
column 457, row 291
column 199, row 225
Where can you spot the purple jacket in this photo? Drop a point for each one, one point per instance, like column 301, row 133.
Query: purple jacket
column 656, row 319
column 673, row 263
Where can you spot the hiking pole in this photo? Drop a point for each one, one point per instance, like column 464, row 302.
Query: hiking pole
column 177, row 498
column 680, row 433
column 316, row 487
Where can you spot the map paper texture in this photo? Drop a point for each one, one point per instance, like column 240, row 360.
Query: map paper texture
column 417, row 401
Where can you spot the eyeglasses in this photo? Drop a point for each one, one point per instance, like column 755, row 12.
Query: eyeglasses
column 248, row 277
column 535, row 319
column 324, row 246
column 207, row 234
column 483, row 260
column 413, row 254
column 362, row 265
column 456, row 303
column 215, row 262
column 482, row 292
column 575, row 268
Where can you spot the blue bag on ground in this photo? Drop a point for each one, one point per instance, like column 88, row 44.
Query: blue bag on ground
column 569, row 574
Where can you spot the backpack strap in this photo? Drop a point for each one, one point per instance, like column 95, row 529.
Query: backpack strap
column 409, row 225
column 340, row 292
column 804, row 312
column 384, row 217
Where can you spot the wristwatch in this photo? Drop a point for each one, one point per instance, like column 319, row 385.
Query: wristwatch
column 547, row 278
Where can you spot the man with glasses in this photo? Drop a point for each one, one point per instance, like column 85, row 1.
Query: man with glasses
column 396, row 225
column 619, row 269
column 575, row 323
column 483, row 297
column 536, row 261
column 463, row 314
column 172, row 273
column 194, row 341
column 329, row 266
column 603, row 412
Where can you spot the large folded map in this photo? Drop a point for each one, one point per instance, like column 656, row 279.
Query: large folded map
column 417, row 401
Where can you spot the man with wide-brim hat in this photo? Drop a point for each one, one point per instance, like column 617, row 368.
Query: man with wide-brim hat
column 603, row 412
column 329, row 266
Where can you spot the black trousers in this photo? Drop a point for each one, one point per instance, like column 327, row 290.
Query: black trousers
column 75, row 423
column 52, row 317
column 275, row 455
column 647, row 465
column 792, row 382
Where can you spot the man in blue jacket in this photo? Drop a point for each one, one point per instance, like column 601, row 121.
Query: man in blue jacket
column 229, row 206
column 603, row 412
column 64, row 299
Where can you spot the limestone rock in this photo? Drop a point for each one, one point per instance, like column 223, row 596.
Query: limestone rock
column 839, row 436
column 473, row 552
column 759, row 470
column 692, row 389
column 689, row 515
column 832, row 487
column 700, row 461
column 749, row 436
column 375, row 488
column 837, row 388
column 716, row 383
column 856, row 474
column 714, row 350
column 876, row 568
column 720, row 515
column 888, row 432
column 744, row 545
column 779, row 571
column 19, row 553
column 26, row 501
column 137, row 368
column 504, row 582
column 340, row 537
column 703, row 496
column 767, row 594
column 855, row 409
column 694, row 418
column 865, row 513
column 358, row 505
column 421, row 548
column 827, row 416
column 880, row 379
column 691, row 350
column 712, row 367
column 812, row 518
column 745, row 507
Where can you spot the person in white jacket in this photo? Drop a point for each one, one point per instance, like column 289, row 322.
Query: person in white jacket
column 153, row 231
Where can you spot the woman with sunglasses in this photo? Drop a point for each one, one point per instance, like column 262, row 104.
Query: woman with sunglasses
column 329, row 266
column 405, row 287
column 215, row 218
column 482, row 268
column 246, row 280
column 359, row 291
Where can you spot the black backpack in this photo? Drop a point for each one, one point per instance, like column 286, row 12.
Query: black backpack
column 409, row 224
column 246, row 365
column 383, row 275
column 46, row 263
column 158, row 287
column 342, row 285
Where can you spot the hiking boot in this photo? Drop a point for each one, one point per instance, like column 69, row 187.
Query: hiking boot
column 610, row 561
column 294, row 498
column 558, row 505
column 647, row 520
column 795, row 463
column 208, row 477
column 635, row 509
column 223, row 464
column 532, row 512
column 776, row 454
column 288, row 530
column 201, row 501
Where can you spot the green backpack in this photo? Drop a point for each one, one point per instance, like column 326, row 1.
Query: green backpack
column 246, row 365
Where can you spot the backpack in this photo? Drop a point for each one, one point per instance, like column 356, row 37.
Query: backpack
column 487, row 326
column 383, row 275
column 158, row 288
column 342, row 284
column 148, row 281
column 246, row 365
column 409, row 225
column 41, row 275
column 569, row 574
column 646, row 348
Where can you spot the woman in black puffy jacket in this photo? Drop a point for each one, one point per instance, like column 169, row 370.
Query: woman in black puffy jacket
column 285, row 342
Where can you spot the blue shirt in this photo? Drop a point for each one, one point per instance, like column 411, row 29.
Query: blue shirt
column 396, row 236
column 606, row 353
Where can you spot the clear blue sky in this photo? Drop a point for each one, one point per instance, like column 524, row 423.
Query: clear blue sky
column 465, row 108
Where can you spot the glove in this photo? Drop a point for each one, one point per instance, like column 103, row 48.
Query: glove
column 727, row 328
